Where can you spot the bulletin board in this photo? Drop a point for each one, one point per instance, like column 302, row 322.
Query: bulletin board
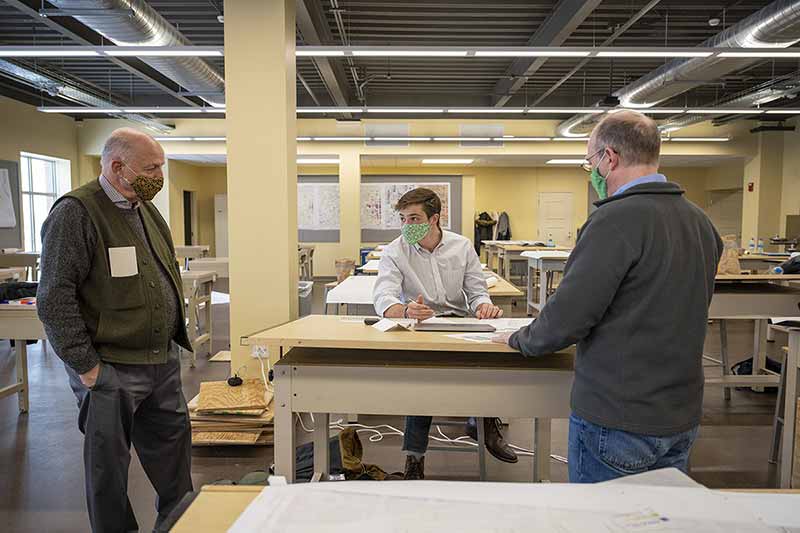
column 379, row 222
column 10, row 237
column 318, row 208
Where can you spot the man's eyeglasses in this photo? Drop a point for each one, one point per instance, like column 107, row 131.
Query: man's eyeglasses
column 587, row 163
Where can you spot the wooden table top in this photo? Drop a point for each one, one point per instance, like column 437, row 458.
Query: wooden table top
column 503, row 288
column 757, row 277
column 334, row 331
column 525, row 248
column 198, row 275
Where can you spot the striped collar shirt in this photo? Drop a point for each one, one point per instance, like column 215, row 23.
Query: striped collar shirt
column 115, row 196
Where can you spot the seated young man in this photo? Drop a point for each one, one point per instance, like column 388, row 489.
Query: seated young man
column 426, row 272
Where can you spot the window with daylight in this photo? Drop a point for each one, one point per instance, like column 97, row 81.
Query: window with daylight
column 44, row 179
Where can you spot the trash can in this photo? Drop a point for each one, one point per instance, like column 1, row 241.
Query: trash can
column 304, row 290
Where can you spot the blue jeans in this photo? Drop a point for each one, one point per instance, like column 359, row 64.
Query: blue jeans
column 416, row 434
column 597, row 453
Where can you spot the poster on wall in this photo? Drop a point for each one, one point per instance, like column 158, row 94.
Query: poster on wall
column 318, row 206
column 8, row 217
column 378, row 201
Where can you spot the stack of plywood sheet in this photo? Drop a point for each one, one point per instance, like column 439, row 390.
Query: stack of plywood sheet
column 226, row 415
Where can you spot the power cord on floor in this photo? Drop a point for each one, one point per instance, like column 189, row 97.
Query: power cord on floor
column 376, row 436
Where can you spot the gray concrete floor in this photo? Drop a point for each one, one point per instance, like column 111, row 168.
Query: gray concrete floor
column 41, row 486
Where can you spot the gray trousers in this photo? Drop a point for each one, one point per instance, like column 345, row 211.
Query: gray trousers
column 142, row 404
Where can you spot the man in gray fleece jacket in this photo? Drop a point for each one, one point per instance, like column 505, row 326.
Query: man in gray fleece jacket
column 634, row 299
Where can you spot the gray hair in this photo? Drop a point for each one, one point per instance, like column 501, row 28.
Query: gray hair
column 632, row 135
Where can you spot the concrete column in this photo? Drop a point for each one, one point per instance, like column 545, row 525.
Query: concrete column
column 761, row 206
column 262, row 173
column 350, row 203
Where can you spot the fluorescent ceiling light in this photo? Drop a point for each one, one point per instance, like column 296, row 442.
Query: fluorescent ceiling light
column 319, row 53
column 301, row 139
column 410, row 53
column 340, row 139
column 650, row 111
column 170, row 110
column 32, row 52
column 653, row 53
column 487, row 110
column 171, row 139
column 319, row 161
column 766, row 53
column 56, row 109
column 209, row 139
column 590, row 110
column 565, row 162
column 399, row 139
column 531, row 53
column 186, row 52
column 447, row 161
column 724, row 111
column 784, row 111
column 699, row 139
column 405, row 110
column 504, row 138
column 584, row 139
column 330, row 109
column 462, row 139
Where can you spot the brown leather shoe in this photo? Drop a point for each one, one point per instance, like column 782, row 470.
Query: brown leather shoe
column 415, row 468
column 496, row 443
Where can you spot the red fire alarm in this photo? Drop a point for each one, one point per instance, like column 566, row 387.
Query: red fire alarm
column 750, row 187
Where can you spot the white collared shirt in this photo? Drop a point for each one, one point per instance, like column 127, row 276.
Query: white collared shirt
column 449, row 278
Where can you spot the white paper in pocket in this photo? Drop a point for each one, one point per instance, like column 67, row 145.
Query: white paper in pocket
column 123, row 261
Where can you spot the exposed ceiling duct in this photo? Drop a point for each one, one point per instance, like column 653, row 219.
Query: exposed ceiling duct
column 774, row 26
column 61, row 89
column 135, row 23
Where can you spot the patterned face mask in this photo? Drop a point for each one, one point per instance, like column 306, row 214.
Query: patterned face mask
column 413, row 233
column 145, row 187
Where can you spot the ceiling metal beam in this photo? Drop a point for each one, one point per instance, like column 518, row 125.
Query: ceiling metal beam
column 314, row 30
column 567, row 15
column 63, row 30
column 622, row 29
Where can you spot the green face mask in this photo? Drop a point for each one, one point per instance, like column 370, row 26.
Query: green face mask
column 413, row 233
column 599, row 182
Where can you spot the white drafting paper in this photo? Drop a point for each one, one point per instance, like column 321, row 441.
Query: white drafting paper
column 432, row 506
column 370, row 266
column 397, row 324
column 123, row 261
column 8, row 217
column 491, row 281
column 545, row 254
column 318, row 206
column 473, row 337
column 780, row 319
column 378, row 201
column 353, row 290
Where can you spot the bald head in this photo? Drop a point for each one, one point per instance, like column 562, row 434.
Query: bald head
column 633, row 136
column 127, row 154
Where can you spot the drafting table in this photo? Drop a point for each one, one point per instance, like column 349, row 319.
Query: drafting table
column 29, row 260
column 406, row 373
column 374, row 254
column 542, row 266
column 197, row 287
column 20, row 322
column 370, row 267
column 784, row 426
column 214, row 508
column 217, row 265
column 355, row 294
column 509, row 253
column 761, row 261
column 191, row 252
column 11, row 274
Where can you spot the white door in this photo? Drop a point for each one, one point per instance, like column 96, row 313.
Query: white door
column 725, row 211
column 221, row 224
column 556, row 218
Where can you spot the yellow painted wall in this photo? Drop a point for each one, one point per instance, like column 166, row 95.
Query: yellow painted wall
column 790, row 195
column 27, row 130
column 205, row 182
